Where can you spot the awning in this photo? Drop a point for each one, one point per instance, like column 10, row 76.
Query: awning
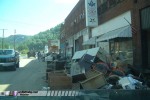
column 120, row 32
column 91, row 41
column 92, row 52
column 79, row 54
column 99, row 52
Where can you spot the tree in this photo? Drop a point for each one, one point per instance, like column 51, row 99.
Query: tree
column 38, row 41
column 22, row 47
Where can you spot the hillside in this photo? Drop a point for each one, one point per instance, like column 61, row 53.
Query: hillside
column 18, row 38
column 32, row 43
column 8, row 42
column 38, row 41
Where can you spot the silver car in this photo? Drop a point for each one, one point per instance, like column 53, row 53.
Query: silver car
column 9, row 59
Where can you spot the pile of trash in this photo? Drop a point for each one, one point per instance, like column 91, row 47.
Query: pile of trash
column 93, row 69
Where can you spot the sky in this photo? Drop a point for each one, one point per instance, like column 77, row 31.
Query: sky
column 29, row 17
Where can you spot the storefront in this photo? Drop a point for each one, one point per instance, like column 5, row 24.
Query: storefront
column 80, row 38
column 62, row 49
column 90, row 43
column 120, row 43
column 78, row 44
column 69, row 47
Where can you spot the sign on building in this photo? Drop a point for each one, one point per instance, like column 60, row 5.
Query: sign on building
column 54, row 46
column 91, row 13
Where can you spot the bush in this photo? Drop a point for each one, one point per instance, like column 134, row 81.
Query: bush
column 24, row 51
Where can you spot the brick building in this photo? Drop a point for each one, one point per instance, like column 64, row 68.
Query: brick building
column 74, row 25
column 113, row 32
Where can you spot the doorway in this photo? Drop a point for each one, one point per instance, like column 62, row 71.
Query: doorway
column 145, row 36
column 146, row 48
column 148, row 44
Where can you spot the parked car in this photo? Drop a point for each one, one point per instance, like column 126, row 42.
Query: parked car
column 9, row 59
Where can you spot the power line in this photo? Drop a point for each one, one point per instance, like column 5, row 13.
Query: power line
column 14, row 39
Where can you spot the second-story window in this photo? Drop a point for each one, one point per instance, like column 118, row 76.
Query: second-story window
column 72, row 23
column 75, row 21
column 102, row 1
column 81, row 16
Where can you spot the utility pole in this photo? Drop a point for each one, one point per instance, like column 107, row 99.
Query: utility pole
column 3, row 37
column 14, row 39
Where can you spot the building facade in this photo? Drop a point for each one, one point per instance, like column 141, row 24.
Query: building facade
column 122, row 25
column 73, row 30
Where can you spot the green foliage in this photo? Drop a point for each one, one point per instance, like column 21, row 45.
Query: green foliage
column 8, row 42
column 24, row 51
column 31, row 43
column 5, row 45
column 38, row 41
column 22, row 47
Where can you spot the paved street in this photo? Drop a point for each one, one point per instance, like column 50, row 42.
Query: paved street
column 30, row 76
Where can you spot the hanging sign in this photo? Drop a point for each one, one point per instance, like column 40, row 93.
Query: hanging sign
column 91, row 13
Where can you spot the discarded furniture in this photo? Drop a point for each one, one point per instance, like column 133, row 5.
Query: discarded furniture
column 86, row 58
column 78, row 78
column 59, row 65
column 95, row 80
column 58, row 80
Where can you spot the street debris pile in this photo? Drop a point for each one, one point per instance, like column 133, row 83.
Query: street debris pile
column 59, row 80
column 94, row 69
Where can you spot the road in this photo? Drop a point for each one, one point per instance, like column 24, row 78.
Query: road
column 30, row 76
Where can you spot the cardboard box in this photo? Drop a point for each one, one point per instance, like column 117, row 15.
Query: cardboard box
column 76, row 86
column 59, row 81
column 94, row 80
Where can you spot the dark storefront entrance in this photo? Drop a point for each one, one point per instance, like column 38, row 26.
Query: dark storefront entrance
column 78, row 44
column 145, row 36
column 148, row 38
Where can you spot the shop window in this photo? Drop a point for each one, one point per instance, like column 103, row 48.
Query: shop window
column 122, row 48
